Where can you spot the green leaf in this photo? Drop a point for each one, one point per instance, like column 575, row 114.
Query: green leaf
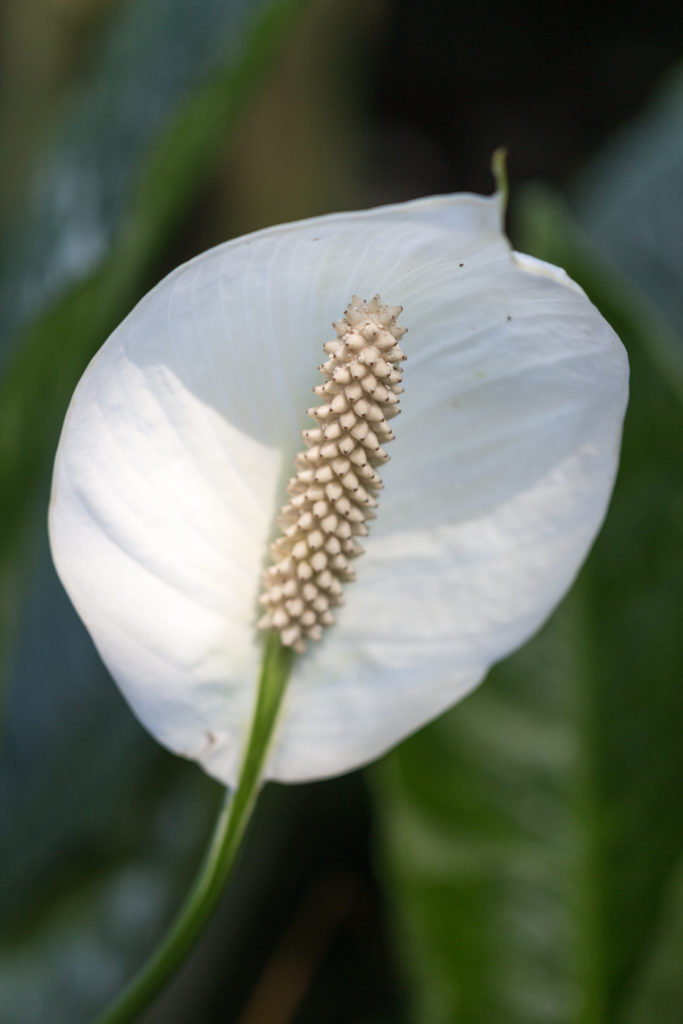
column 125, row 162
column 63, row 960
column 630, row 202
column 477, row 816
column 532, row 836
column 92, row 859
column 128, row 153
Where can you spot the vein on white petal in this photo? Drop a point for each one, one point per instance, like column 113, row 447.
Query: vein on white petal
column 242, row 481
column 239, row 480
column 277, row 335
column 242, row 395
column 197, row 467
column 170, row 510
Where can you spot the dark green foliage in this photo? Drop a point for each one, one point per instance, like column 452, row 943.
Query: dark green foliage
column 533, row 835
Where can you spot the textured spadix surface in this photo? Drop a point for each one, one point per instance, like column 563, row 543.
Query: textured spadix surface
column 334, row 491
column 181, row 435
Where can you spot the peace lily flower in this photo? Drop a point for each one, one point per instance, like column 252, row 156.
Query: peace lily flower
column 182, row 434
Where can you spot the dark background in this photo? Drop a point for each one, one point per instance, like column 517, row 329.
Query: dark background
column 370, row 102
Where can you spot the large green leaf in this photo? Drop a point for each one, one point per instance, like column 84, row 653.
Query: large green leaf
column 88, row 805
column 532, row 836
column 126, row 160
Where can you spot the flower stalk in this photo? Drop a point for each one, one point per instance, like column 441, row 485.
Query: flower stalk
column 221, row 854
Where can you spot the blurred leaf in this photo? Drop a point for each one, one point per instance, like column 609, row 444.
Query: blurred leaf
column 124, row 164
column 72, row 752
column 66, row 959
column 630, row 202
column 128, row 152
column 532, row 835
column 91, row 855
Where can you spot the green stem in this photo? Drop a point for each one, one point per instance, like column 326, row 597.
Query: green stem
column 225, row 842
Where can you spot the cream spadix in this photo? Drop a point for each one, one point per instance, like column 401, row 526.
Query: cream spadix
column 180, row 439
column 333, row 492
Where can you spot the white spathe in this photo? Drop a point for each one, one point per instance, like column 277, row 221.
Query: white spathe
column 180, row 437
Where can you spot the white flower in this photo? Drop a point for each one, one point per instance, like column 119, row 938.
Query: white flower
column 181, row 435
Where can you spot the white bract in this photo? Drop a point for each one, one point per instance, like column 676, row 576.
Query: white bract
column 181, row 435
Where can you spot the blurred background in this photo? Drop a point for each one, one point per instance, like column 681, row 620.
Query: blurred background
column 519, row 859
